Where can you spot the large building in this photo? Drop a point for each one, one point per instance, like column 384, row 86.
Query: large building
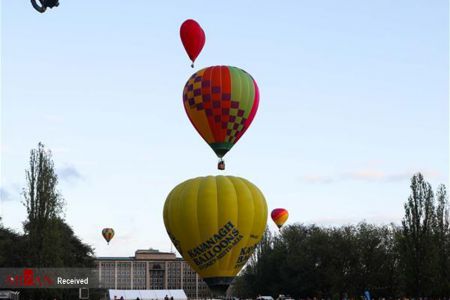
column 151, row 270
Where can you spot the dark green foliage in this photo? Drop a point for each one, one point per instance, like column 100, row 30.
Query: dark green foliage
column 325, row 262
column 417, row 249
column 11, row 248
column 44, row 205
column 389, row 261
column 442, row 242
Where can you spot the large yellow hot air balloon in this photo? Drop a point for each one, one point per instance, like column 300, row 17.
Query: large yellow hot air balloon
column 215, row 223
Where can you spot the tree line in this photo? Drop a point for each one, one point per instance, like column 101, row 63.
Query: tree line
column 407, row 260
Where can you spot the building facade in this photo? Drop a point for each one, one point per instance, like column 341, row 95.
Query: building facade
column 151, row 270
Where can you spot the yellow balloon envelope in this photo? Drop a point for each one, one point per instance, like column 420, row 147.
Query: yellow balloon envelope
column 215, row 223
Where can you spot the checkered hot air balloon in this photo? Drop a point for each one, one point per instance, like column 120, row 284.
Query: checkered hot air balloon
column 108, row 234
column 221, row 102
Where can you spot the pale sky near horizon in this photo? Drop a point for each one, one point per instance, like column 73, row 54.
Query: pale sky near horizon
column 354, row 101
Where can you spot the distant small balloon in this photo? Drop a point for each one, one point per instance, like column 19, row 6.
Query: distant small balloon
column 193, row 38
column 108, row 234
column 279, row 216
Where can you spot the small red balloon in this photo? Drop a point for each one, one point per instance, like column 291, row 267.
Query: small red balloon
column 193, row 38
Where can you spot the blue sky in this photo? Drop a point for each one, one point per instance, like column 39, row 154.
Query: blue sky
column 354, row 100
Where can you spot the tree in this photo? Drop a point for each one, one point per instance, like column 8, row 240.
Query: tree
column 44, row 204
column 75, row 253
column 11, row 246
column 254, row 275
column 417, row 247
column 49, row 241
column 442, row 241
column 376, row 269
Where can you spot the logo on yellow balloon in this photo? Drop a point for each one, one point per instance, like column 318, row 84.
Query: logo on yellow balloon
column 216, row 247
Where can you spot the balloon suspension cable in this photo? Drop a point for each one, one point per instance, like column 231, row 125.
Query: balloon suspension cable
column 221, row 165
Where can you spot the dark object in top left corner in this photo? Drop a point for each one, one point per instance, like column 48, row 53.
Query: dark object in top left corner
column 42, row 5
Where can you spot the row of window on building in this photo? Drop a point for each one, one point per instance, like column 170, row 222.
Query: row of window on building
column 158, row 275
